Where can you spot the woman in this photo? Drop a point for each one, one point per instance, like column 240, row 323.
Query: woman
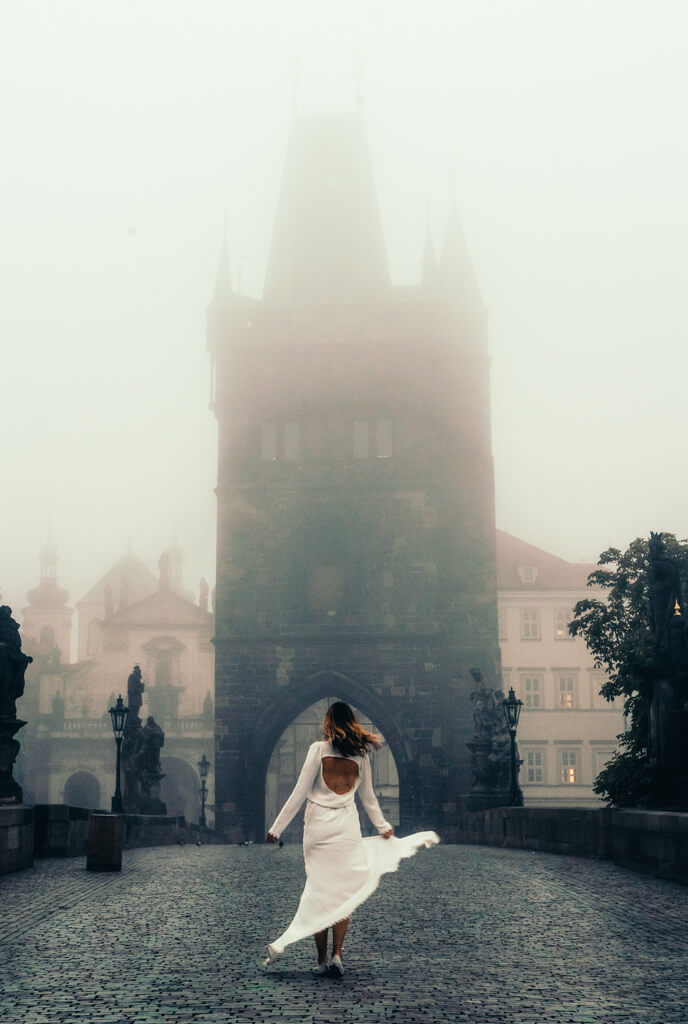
column 342, row 868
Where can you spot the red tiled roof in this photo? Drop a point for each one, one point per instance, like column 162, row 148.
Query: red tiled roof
column 551, row 572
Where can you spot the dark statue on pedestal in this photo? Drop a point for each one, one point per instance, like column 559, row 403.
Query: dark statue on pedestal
column 141, row 755
column 668, row 677
column 489, row 746
column 13, row 665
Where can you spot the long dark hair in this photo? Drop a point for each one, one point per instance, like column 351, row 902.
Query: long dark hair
column 346, row 735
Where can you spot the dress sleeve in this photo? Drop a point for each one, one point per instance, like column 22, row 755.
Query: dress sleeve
column 368, row 798
column 300, row 790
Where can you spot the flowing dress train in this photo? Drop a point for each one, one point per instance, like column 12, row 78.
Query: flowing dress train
column 342, row 867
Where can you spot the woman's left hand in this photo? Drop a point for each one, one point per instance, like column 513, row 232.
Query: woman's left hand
column 388, row 834
column 271, row 838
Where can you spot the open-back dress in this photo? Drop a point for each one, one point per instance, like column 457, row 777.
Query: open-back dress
column 342, row 868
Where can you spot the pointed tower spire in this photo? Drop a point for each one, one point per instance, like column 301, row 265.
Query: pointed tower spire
column 223, row 293
column 456, row 274
column 429, row 257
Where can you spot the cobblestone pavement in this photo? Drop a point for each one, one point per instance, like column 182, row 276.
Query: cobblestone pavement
column 457, row 934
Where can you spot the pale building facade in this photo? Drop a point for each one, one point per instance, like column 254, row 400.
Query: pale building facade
column 567, row 731
column 128, row 617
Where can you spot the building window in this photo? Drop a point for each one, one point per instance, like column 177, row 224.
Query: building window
column 535, row 767
column 383, row 439
column 602, row 759
column 530, row 624
column 562, row 617
column 567, row 692
column 292, row 441
column 360, row 439
column 268, row 442
column 569, row 767
column 527, row 573
column 532, row 691
column 502, row 623
column 506, row 679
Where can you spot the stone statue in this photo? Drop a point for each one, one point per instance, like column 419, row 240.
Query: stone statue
column 13, row 665
column 141, row 748
column 490, row 743
column 153, row 742
column 664, row 587
column 135, row 688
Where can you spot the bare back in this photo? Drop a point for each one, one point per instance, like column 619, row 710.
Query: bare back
column 339, row 773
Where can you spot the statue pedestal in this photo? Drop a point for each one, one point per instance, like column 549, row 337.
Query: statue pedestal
column 16, row 837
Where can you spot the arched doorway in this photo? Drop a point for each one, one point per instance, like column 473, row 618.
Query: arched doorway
column 180, row 789
column 288, row 756
column 82, row 789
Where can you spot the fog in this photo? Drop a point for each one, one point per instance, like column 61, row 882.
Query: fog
column 130, row 128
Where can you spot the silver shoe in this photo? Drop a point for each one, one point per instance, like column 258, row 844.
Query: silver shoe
column 336, row 966
column 272, row 955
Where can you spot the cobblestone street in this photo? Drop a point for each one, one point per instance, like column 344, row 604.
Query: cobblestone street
column 458, row 934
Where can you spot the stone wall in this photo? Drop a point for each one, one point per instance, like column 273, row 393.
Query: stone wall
column 655, row 842
column 16, row 838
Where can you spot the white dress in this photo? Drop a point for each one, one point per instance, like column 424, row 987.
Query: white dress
column 342, row 868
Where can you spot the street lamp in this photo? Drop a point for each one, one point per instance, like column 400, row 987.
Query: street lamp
column 512, row 710
column 118, row 714
column 203, row 768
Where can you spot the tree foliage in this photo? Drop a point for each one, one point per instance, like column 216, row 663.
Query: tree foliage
column 618, row 631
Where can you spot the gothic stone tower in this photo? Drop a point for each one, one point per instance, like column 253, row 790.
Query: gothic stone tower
column 356, row 525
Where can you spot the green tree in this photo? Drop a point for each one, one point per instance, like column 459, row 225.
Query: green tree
column 618, row 631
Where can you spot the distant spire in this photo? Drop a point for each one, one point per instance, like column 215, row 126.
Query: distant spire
column 456, row 274
column 223, row 278
column 429, row 257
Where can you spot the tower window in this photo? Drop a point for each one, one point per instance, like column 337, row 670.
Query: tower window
column 268, row 442
column 292, row 441
column 360, row 439
column 384, row 439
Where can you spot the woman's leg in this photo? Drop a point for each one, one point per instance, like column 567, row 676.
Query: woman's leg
column 321, row 945
column 338, row 933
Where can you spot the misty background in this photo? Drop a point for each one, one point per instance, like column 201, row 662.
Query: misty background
column 129, row 129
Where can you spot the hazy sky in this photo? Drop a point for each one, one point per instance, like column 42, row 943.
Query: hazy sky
column 129, row 127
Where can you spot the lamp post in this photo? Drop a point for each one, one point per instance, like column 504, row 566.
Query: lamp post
column 118, row 715
column 512, row 709
column 203, row 769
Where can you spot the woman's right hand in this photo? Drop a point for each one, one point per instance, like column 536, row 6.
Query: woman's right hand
column 272, row 839
column 388, row 834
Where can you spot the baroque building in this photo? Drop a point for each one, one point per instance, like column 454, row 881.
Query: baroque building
column 356, row 534
column 128, row 617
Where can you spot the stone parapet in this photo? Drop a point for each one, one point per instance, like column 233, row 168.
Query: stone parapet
column 654, row 842
column 16, row 838
column 60, row 830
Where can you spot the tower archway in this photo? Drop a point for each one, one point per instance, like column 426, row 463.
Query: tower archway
column 180, row 789
column 313, row 692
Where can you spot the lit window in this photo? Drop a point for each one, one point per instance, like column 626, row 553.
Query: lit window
column 562, row 617
column 383, row 439
column 567, row 692
column 568, row 767
column 532, row 689
column 292, row 441
column 360, row 439
column 535, row 766
column 502, row 621
column 268, row 442
column 530, row 624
